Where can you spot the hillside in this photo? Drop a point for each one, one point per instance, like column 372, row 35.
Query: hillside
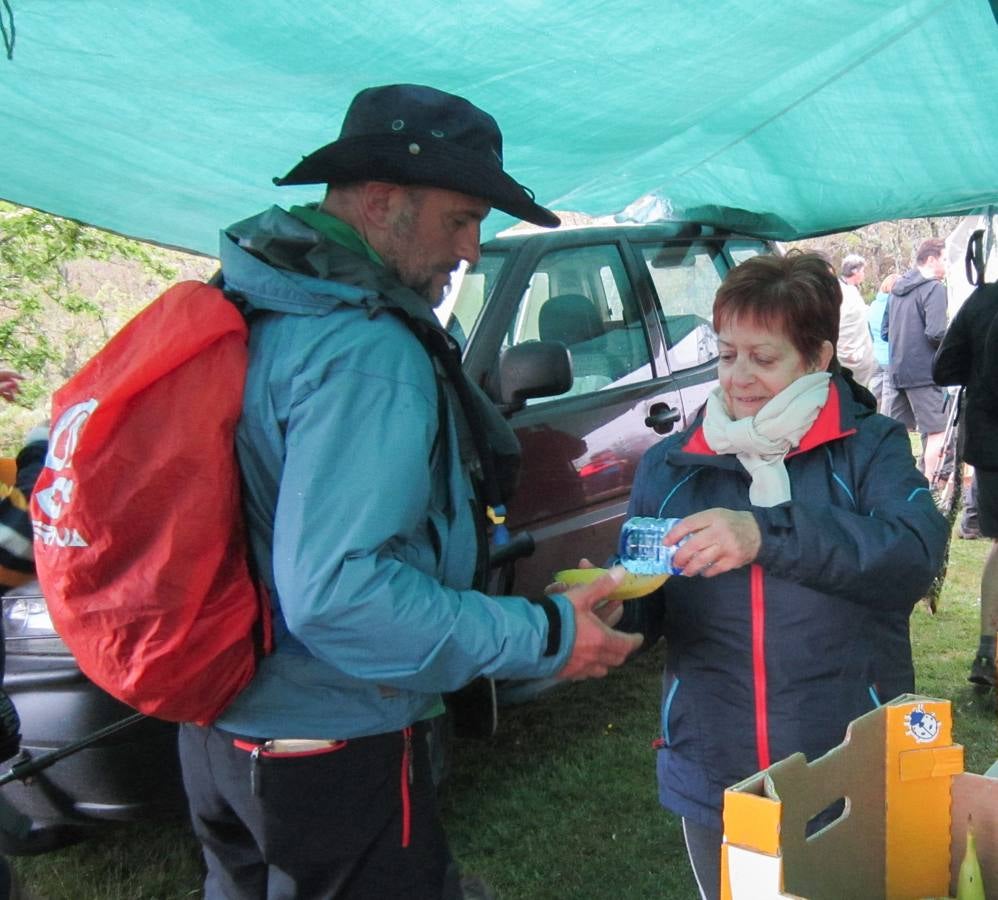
column 65, row 289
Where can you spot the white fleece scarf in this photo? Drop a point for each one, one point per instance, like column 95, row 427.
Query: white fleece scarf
column 761, row 441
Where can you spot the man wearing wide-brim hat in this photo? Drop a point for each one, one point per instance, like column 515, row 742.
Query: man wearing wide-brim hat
column 361, row 510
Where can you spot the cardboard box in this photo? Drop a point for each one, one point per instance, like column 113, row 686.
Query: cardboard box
column 902, row 831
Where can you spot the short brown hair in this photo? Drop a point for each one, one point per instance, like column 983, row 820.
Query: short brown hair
column 887, row 285
column 797, row 294
column 929, row 247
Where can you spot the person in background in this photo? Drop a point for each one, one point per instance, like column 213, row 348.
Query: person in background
column 10, row 384
column 968, row 355
column 363, row 519
column 881, row 349
column 914, row 325
column 17, row 558
column 17, row 481
column 810, row 535
column 17, row 566
column 970, row 529
column 854, row 347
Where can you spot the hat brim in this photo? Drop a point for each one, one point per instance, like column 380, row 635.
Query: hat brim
column 418, row 160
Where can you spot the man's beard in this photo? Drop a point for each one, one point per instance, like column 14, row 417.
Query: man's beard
column 403, row 247
column 422, row 284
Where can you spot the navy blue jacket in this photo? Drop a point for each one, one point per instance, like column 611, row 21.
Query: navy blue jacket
column 779, row 656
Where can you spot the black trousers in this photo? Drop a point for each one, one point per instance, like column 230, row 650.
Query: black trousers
column 356, row 821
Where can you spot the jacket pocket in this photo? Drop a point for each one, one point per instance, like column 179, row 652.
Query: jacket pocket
column 667, row 711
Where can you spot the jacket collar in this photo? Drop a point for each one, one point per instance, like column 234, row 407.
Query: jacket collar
column 837, row 419
column 275, row 261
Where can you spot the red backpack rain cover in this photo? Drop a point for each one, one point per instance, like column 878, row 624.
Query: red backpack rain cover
column 139, row 535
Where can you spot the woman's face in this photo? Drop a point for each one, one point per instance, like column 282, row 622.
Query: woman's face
column 756, row 364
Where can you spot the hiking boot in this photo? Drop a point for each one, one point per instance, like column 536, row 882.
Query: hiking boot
column 982, row 672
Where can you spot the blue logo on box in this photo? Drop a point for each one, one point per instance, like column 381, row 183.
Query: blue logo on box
column 921, row 725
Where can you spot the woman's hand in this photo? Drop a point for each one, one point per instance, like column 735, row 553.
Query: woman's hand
column 719, row 540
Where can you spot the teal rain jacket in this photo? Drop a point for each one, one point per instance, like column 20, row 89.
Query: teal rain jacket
column 360, row 512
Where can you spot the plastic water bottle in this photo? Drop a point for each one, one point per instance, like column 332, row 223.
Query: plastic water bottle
column 642, row 550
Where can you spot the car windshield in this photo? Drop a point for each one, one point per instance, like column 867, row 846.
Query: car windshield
column 743, row 250
column 469, row 290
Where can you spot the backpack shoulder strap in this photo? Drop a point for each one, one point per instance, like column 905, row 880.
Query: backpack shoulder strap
column 442, row 348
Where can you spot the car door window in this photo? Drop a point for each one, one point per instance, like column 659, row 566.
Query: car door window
column 465, row 297
column 582, row 297
column 686, row 277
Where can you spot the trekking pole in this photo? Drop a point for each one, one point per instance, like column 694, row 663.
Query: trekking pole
column 28, row 767
column 949, row 433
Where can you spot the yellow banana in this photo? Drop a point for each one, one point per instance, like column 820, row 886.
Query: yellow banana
column 969, row 883
column 630, row 588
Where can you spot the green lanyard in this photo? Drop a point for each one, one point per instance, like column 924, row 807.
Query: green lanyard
column 336, row 230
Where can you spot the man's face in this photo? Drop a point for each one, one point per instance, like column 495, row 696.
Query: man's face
column 432, row 231
column 857, row 276
column 938, row 266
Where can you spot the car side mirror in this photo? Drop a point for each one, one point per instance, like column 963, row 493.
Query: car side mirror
column 533, row 369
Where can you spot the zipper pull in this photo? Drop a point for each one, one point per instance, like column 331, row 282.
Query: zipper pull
column 406, row 779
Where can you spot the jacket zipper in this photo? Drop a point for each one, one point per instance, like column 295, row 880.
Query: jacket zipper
column 758, row 601
column 406, row 781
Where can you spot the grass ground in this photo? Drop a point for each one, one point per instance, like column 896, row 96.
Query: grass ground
column 562, row 803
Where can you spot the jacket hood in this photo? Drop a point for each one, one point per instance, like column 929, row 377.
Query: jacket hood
column 909, row 281
column 263, row 259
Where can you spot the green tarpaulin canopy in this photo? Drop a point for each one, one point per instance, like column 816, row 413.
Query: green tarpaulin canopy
column 166, row 120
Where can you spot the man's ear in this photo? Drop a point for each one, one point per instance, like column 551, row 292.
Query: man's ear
column 379, row 201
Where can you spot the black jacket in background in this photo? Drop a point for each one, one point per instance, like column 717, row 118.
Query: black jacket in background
column 969, row 355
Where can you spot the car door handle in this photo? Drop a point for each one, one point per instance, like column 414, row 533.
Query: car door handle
column 662, row 418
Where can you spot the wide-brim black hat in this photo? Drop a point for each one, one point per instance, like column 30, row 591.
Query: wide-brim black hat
column 413, row 134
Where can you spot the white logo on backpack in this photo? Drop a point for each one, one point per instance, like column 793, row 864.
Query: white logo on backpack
column 54, row 500
column 66, row 434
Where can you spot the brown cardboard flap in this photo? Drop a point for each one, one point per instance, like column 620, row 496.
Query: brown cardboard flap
column 933, row 762
column 894, row 771
column 814, row 867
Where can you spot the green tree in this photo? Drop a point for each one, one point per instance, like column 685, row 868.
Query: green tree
column 65, row 288
column 888, row 247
